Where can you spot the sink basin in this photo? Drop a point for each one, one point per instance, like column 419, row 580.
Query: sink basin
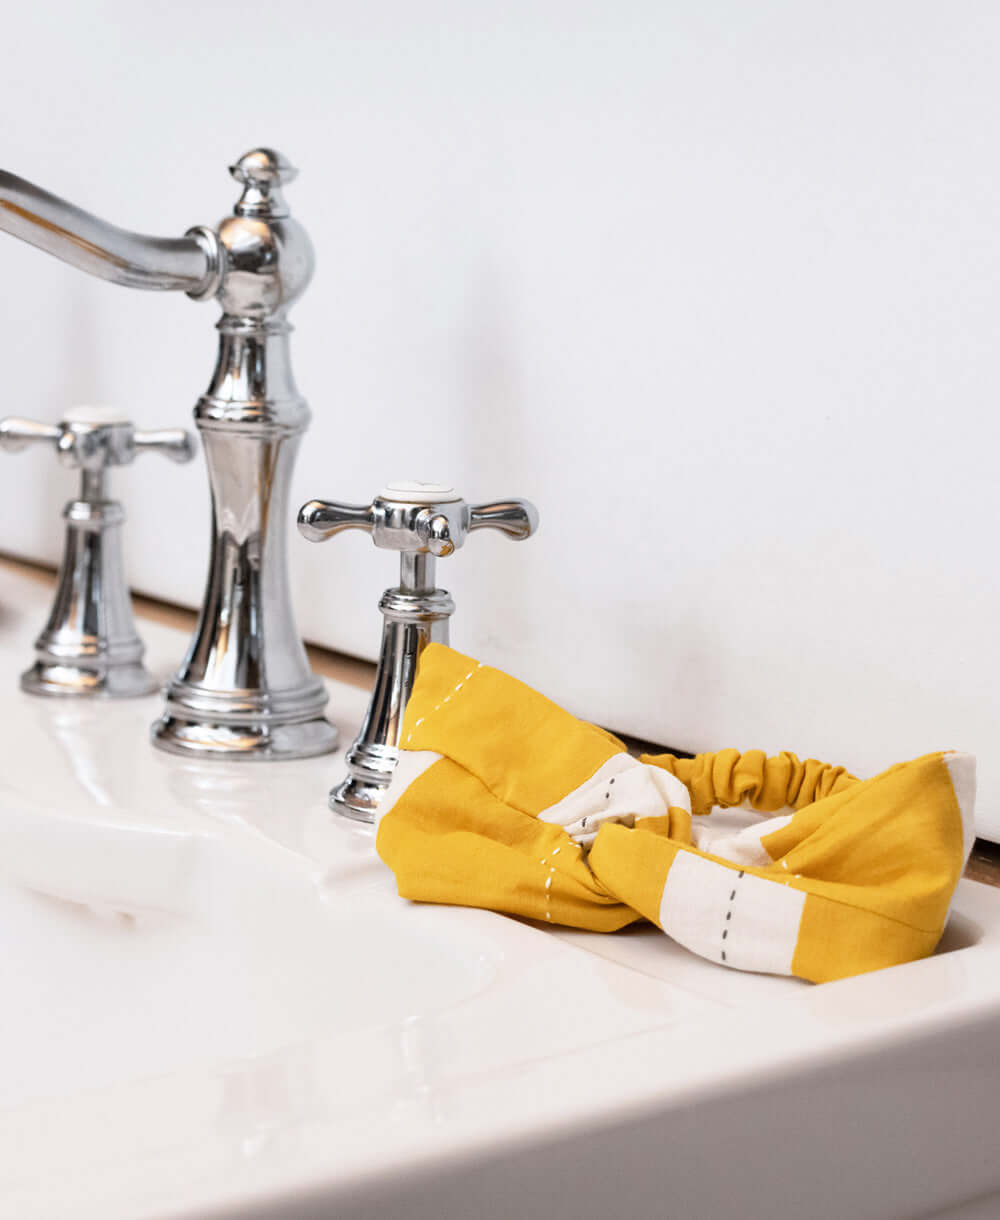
column 216, row 1005
column 113, row 997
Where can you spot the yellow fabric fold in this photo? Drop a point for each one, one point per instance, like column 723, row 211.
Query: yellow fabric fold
column 504, row 800
column 473, row 850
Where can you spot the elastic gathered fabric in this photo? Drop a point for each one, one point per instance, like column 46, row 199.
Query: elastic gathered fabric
column 728, row 778
column 502, row 799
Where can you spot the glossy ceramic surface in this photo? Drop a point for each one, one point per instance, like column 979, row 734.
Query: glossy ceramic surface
column 215, row 1004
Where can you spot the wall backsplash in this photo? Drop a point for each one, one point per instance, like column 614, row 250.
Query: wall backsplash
column 718, row 287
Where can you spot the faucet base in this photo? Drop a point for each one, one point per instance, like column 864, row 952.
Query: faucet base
column 248, row 742
column 357, row 800
column 68, row 680
column 245, row 725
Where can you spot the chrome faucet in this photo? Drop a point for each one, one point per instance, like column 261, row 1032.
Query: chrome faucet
column 245, row 689
column 90, row 645
column 423, row 522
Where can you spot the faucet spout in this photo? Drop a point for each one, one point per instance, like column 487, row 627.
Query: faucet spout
column 188, row 264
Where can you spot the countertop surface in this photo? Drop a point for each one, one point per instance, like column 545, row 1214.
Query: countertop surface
column 219, row 1006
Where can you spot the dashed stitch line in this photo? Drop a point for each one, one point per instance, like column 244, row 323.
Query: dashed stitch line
column 446, row 699
column 729, row 913
column 548, row 884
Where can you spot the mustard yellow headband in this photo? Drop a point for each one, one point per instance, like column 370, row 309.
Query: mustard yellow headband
column 502, row 799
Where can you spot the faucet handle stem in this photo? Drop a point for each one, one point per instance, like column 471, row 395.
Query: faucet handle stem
column 17, row 433
column 321, row 519
column 518, row 519
column 174, row 443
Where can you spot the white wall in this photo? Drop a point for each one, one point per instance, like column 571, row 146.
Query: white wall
column 718, row 285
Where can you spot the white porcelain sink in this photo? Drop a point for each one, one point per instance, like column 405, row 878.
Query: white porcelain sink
column 214, row 1004
column 114, row 997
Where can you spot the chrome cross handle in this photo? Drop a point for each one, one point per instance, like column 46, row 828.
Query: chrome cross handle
column 424, row 522
column 419, row 517
column 93, row 438
column 90, row 645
